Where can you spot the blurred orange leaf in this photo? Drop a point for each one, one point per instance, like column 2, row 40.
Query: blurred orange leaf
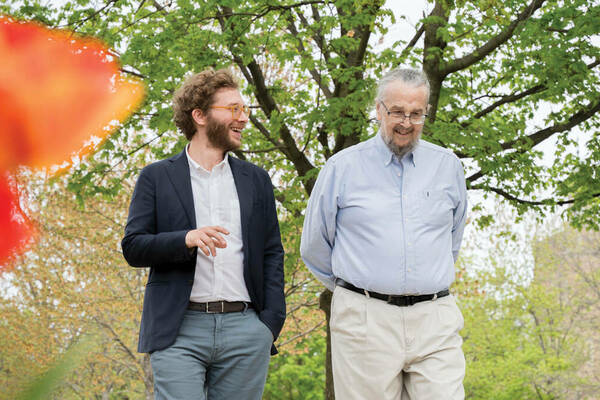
column 56, row 92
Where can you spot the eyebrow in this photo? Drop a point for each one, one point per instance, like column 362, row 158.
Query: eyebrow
column 401, row 109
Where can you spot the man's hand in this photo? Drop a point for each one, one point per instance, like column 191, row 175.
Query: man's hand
column 207, row 239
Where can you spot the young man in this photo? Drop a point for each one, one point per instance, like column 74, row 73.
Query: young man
column 382, row 231
column 205, row 224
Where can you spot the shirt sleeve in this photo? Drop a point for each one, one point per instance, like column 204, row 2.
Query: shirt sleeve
column 318, row 233
column 460, row 212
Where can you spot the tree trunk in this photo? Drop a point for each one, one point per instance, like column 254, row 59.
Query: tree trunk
column 325, row 305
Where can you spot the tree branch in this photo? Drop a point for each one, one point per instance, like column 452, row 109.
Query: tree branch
column 354, row 59
column 268, row 105
column 298, row 336
column 159, row 8
column 507, row 99
column 516, row 96
column 544, row 202
column 493, row 43
column 80, row 22
column 413, row 41
column 130, row 72
column 318, row 37
column 324, row 140
column 541, row 135
column 313, row 72
column 268, row 150
column 268, row 8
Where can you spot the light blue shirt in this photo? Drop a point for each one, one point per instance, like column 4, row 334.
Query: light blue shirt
column 386, row 225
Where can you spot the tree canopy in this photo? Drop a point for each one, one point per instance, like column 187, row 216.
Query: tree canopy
column 309, row 69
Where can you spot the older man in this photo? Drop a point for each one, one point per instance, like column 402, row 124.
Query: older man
column 206, row 225
column 382, row 230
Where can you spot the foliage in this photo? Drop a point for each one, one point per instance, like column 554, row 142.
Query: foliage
column 310, row 68
column 298, row 374
column 44, row 385
column 73, row 282
column 538, row 339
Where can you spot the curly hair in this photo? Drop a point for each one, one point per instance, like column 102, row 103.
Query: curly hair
column 198, row 92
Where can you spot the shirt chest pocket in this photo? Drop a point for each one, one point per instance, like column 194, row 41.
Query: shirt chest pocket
column 434, row 207
column 228, row 210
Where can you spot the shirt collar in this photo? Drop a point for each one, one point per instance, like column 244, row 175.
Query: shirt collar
column 197, row 167
column 413, row 155
column 386, row 154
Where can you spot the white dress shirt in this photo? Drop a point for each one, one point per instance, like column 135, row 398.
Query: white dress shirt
column 216, row 203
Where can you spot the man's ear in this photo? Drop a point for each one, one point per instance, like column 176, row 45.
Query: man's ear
column 378, row 110
column 199, row 117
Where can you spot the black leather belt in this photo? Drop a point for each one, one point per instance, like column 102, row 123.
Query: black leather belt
column 215, row 307
column 401, row 301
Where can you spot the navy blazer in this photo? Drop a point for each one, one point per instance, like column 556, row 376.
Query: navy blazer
column 160, row 215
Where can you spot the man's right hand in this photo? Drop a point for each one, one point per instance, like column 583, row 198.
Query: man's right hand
column 207, row 239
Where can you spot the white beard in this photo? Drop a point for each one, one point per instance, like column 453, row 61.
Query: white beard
column 397, row 150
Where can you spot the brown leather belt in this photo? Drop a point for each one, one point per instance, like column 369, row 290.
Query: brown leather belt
column 401, row 301
column 217, row 307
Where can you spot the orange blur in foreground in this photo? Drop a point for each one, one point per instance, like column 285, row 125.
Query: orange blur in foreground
column 56, row 92
column 16, row 229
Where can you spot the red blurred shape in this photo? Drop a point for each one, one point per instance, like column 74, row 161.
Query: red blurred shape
column 16, row 229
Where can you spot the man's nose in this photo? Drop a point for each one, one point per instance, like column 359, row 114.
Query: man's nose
column 243, row 117
column 405, row 121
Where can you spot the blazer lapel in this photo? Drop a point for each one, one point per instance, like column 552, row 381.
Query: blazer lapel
column 245, row 192
column 179, row 173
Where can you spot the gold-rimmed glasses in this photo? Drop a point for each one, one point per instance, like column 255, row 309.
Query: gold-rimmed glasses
column 236, row 110
column 414, row 118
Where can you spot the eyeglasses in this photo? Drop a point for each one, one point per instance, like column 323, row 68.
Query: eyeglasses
column 414, row 118
column 236, row 110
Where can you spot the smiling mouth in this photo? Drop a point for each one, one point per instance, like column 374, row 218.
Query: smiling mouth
column 401, row 132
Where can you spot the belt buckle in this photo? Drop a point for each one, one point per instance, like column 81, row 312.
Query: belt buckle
column 401, row 301
column 208, row 311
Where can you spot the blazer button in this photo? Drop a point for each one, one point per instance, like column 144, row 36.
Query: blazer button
column 191, row 281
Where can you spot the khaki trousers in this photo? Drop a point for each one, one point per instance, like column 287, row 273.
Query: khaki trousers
column 381, row 351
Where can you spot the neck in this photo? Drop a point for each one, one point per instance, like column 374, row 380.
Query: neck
column 203, row 153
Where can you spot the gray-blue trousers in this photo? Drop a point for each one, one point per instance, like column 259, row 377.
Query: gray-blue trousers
column 215, row 356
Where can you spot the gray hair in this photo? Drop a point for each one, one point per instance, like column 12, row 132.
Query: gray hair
column 412, row 77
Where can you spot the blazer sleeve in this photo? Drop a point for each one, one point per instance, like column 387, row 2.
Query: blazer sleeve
column 142, row 245
column 274, row 312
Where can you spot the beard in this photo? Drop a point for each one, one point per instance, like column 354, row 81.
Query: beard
column 218, row 135
column 401, row 151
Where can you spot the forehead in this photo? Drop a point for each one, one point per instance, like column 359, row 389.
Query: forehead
column 227, row 96
column 400, row 95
